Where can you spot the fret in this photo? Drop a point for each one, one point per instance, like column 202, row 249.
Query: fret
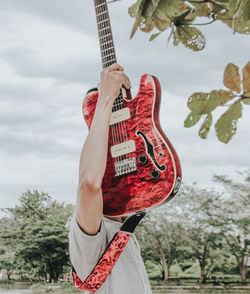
column 100, row 1
column 114, row 107
column 100, row 14
column 106, row 20
column 106, row 36
column 110, row 61
column 107, row 58
column 108, row 49
column 101, row 9
column 103, row 25
column 118, row 101
column 104, row 33
column 108, row 54
column 108, row 42
column 100, row 5
column 104, row 29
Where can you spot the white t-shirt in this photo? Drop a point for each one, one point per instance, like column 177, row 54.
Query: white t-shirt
column 128, row 276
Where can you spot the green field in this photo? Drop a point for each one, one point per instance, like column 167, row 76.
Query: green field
column 66, row 288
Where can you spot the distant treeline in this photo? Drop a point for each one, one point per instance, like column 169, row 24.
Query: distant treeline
column 201, row 231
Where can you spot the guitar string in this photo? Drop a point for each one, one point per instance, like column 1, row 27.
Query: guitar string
column 122, row 123
column 110, row 54
column 103, row 9
column 107, row 56
column 120, row 127
column 119, row 124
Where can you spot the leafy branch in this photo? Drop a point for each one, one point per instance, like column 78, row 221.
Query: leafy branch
column 179, row 16
column 203, row 104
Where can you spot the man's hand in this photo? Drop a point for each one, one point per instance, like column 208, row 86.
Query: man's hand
column 112, row 79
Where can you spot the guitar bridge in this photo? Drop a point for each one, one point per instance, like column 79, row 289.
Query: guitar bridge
column 125, row 166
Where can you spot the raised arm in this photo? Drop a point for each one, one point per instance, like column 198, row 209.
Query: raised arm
column 89, row 206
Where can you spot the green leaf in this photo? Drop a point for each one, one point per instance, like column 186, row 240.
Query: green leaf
column 191, row 119
column 199, row 103
column 241, row 7
column 233, row 5
column 205, row 127
column 226, row 125
column 146, row 24
column 246, row 79
column 202, row 9
column 172, row 8
column 232, row 77
column 203, row 103
column 155, row 2
column 132, row 11
column 153, row 36
column 246, row 101
column 139, row 17
column 190, row 17
column 161, row 20
column 220, row 97
column 176, row 39
column 149, row 8
column 242, row 26
column 191, row 37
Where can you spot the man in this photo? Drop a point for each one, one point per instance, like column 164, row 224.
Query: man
column 90, row 231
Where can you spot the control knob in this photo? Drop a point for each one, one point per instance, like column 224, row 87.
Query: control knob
column 142, row 159
column 155, row 173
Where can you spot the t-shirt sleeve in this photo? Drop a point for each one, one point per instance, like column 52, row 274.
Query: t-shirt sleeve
column 85, row 250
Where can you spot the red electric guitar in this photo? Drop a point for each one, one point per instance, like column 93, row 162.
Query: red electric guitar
column 143, row 169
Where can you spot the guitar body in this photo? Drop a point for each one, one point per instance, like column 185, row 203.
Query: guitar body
column 157, row 177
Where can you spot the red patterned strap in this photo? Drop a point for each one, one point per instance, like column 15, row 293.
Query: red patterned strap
column 110, row 256
column 105, row 264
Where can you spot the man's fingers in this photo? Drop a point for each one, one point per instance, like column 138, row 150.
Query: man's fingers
column 115, row 66
column 128, row 81
column 124, row 79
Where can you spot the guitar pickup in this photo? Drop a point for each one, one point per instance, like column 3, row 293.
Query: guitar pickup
column 119, row 116
column 123, row 148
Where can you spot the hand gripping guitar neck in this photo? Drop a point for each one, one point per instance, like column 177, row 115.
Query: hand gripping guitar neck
column 109, row 258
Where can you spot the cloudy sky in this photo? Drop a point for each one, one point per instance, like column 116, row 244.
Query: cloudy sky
column 49, row 58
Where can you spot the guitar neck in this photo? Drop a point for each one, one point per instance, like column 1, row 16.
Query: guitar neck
column 105, row 33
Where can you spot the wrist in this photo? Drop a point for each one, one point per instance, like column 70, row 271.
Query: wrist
column 106, row 100
column 104, row 107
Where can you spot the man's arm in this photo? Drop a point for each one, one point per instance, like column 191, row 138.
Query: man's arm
column 89, row 206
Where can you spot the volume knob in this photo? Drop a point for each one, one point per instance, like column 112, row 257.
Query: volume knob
column 155, row 174
column 142, row 159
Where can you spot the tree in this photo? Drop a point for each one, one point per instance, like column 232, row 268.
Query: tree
column 162, row 240
column 39, row 234
column 7, row 254
column 196, row 207
column 7, row 262
column 234, row 222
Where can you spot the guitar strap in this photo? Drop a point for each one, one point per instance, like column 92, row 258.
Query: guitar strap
column 110, row 256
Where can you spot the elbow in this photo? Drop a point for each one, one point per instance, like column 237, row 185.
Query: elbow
column 89, row 183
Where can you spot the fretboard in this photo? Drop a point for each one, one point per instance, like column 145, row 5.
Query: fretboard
column 105, row 33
